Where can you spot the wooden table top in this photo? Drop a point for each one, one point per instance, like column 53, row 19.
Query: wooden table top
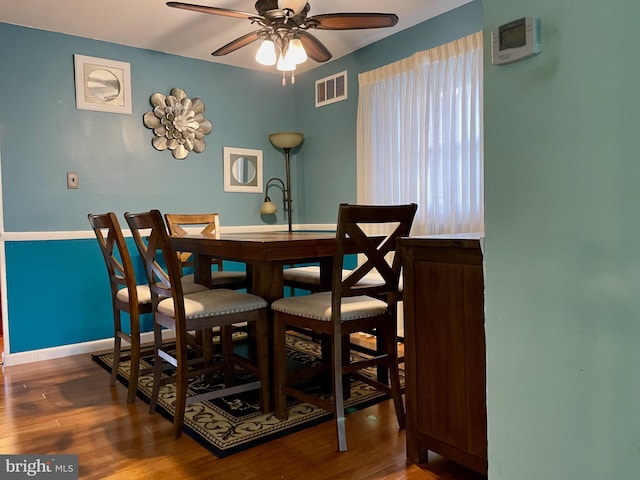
column 260, row 246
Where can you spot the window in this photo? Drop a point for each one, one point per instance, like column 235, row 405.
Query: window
column 419, row 137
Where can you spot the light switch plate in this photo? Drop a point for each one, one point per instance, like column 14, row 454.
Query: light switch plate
column 72, row 180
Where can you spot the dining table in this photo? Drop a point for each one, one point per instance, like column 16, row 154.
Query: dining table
column 265, row 255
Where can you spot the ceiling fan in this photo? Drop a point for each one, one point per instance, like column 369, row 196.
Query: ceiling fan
column 283, row 27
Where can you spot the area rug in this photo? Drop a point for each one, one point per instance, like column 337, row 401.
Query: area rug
column 232, row 424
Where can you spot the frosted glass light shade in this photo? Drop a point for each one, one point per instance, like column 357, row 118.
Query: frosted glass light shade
column 297, row 51
column 286, row 139
column 266, row 54
column 268, row 207
column 296, row 5
column 286, row 64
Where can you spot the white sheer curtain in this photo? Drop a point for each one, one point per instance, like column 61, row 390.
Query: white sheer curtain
column 419, row 137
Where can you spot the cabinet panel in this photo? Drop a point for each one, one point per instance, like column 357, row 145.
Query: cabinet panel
column 445, row 350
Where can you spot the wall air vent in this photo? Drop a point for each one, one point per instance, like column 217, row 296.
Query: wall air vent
column 331, row 89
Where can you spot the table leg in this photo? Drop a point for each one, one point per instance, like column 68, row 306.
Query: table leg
column 202, row 269
column 267, row 280
column 326, row 267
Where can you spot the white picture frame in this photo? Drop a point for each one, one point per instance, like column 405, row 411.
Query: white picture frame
column 242, row 170
column 102, row 85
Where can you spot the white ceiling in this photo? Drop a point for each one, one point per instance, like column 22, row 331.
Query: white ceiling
column 151, row 25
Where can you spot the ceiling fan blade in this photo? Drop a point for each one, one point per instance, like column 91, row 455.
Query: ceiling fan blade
column 314, row 47
column 352, row 21
column 212, row 10
column 243, row 41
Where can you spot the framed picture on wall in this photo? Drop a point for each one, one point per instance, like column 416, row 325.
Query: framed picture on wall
column 102, row 85
column 242, row 170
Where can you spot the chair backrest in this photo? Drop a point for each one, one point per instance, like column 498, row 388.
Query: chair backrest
column 377, row 252
column 160, row 259
column 116, row 255
column 210, row 223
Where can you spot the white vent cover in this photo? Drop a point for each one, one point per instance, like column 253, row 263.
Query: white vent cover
column 331, row 89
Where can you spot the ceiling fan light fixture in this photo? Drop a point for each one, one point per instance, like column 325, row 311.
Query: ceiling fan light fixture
column 266, row 54
column 284, row 30
column 286, row 63
column 296, row 51
column 292, row 6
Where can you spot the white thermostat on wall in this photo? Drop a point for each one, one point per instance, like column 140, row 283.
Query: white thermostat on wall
column 515, row 40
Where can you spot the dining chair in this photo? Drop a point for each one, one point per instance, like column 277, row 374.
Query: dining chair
column 350, row 307
column 187, row 314
column 126, row 295
column 308, row 278
column 207, row 223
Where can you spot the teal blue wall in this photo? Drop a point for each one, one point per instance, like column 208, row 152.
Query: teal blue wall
column 59, row 293
column 36, row 317
column 562, row 166
column 43, row 135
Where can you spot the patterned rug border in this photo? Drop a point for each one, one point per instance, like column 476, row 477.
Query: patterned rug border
column 224, row 434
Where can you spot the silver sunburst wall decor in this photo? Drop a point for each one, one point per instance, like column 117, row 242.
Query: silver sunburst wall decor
column 178, row 123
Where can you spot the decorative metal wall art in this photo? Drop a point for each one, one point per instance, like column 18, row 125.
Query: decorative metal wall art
column 178, row 123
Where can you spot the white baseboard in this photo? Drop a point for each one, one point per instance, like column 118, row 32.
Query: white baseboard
column 31, row 356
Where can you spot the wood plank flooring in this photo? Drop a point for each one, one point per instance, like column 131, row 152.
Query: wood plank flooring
column 66, row 406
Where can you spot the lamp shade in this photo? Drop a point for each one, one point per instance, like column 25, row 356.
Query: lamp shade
column 268, row 207
column 266, row 54
column 296, row 6
column 297, row 51
column 286, row 139
column 286, row 63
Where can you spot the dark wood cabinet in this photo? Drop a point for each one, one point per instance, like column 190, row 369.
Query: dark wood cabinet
column 445, row 349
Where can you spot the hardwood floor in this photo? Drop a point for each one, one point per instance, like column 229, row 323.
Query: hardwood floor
column 66, row 406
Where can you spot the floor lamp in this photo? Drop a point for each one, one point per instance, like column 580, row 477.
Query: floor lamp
column 285, row 141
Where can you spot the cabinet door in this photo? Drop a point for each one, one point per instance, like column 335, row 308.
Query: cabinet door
column 450, row 335
column 444, row 303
